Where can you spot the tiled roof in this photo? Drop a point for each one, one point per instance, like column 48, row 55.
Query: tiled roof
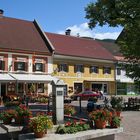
column 111, row 47
column 16, row 34
column 80, row 47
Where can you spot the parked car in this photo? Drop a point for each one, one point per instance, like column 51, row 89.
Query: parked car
column 85, row 95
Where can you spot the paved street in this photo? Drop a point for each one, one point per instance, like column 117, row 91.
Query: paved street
column 131, row 125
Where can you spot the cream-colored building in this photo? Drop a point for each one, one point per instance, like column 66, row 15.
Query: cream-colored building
column 83, row 64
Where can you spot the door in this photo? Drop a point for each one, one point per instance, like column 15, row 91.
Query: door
column 78, row 87
column 3, row 91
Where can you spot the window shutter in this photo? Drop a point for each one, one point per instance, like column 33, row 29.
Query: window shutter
column 3, row 65
column 109, row 70
column 34, row 67
column 43, row 67
column 75, row 68
column 82, row 68
column 90, row 69
column 103, row 70
column 58, row 66
column 15, row 66
column 67, row 68
column 26, row 66
column 97, row 69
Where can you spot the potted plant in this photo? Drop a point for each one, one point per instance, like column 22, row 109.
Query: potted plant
column 115, row 121
column 6, row 116
column 39, row 124
column 69, row 110
column 22, row 114
column 32, row 89
column 100, row 117
column 117, row 103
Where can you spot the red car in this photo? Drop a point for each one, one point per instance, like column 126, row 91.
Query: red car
column 85, row 95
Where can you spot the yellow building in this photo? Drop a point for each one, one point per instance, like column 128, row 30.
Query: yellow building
column 83, row 64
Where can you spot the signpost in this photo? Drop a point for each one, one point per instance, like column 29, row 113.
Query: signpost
column 58, row 102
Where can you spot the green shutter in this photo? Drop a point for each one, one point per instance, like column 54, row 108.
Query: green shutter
column 2, row 65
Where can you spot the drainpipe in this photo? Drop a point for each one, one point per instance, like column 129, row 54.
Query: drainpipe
column 115, row 78
column 0, row 89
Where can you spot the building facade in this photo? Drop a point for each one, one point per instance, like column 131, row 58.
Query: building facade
column 124, row 84
column 83, row 64
column 25, row 58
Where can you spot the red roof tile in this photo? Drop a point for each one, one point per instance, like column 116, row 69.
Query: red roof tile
column 18, row 34
column 80, row 47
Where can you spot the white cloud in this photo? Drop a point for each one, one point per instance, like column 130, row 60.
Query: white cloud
column 107, row 35
column 83, row 30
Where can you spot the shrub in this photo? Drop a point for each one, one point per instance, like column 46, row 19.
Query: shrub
column 72, row 127
column 69, row 110
column 40, row 123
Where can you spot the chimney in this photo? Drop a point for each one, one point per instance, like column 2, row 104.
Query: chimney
column 1, row 12
column 68, row 32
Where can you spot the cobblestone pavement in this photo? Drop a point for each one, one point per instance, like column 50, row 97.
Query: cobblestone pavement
column 131, row 126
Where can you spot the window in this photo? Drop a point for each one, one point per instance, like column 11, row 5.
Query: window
column 118, row 71
column 11, row 87
column 106, row 70
column 2, row 65
column 20, row 88
column 20, row 66
column 94, row 69
column 63, row 67
column 79, row 68
column 40, row 88
column 38, row 67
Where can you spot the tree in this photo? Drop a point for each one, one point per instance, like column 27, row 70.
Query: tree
column 125, row 13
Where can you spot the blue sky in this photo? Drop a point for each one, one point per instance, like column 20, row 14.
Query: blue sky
column 57, row 15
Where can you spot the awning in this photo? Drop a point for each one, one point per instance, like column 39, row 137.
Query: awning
column 4, row 77
column 33, row 78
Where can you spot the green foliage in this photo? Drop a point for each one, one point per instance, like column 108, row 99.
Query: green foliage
column 113, row 12
column 7, row 114
column 40, row 99
column 40, row 123
column 32, row 88
column 102, row 114
column 116, row 120
column 125, row 13
column 116, row 103
column 61, row 130
column 69, row 110
column 72, row 127
column 11, row 103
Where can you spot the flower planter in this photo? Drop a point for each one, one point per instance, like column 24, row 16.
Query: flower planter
column 7, row 121
column 19, row 121
column 99, row 124
column 114, row 126
column 118, row 113
column 39, row 134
